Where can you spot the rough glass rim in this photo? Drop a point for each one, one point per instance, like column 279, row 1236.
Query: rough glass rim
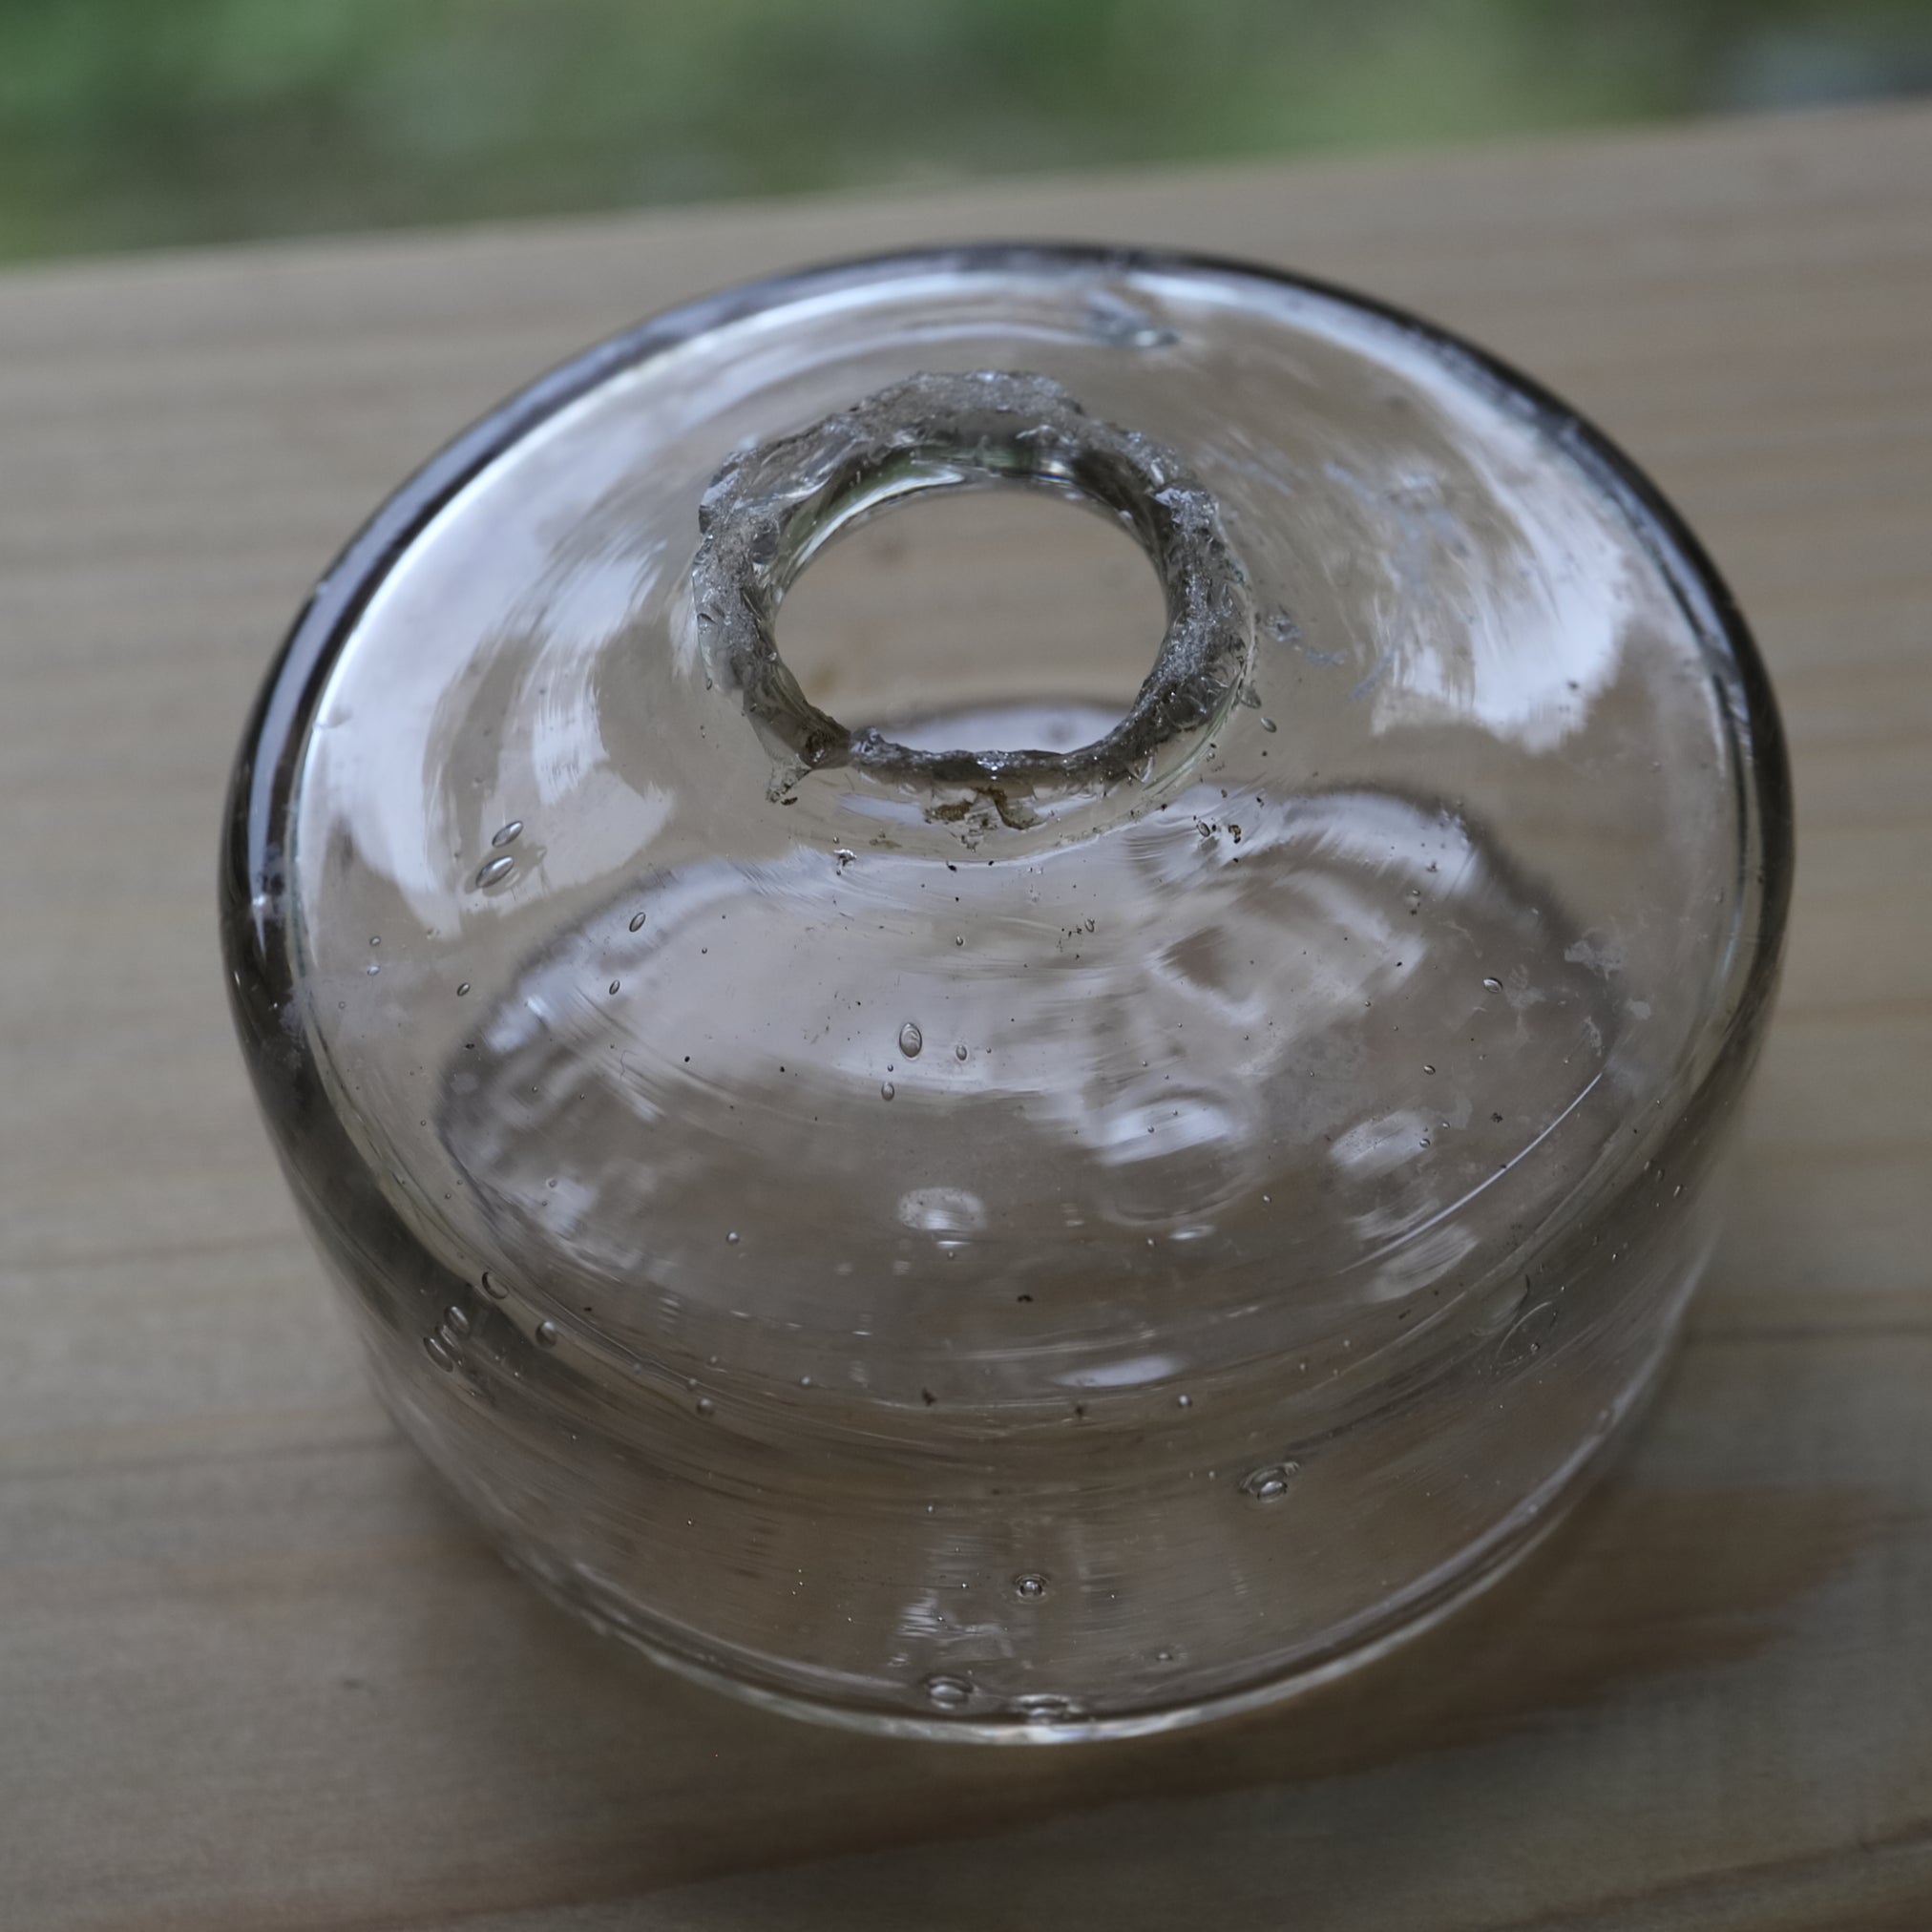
column 769, row 510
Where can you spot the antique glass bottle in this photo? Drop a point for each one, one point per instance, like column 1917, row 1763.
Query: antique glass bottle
column 1011, row 1200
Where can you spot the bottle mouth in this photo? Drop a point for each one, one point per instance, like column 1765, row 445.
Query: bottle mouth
column 771, row 508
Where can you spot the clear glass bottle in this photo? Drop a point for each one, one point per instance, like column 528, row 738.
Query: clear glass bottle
column 1068, row 1235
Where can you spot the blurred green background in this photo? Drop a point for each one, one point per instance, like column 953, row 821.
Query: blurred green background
column 127, row 123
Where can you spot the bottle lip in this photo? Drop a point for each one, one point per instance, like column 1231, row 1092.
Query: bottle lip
column 267, row 770
column 770, row 509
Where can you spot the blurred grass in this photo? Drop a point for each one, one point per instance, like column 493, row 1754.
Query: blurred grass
column 129, row 123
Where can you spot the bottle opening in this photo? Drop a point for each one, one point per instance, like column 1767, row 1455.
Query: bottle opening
column 977, row 620
column 773, row 509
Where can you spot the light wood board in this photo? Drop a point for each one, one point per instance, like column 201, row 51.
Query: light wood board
column 254, row 1670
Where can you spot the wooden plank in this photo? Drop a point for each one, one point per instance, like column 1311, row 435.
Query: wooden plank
column 254, row 1672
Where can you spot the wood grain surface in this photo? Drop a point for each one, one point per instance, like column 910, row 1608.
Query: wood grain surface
column 256, row 1672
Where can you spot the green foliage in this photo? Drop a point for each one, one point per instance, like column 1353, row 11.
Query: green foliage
column 128, row 122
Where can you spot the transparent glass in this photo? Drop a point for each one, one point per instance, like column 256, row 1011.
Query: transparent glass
column 1059, row 1194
